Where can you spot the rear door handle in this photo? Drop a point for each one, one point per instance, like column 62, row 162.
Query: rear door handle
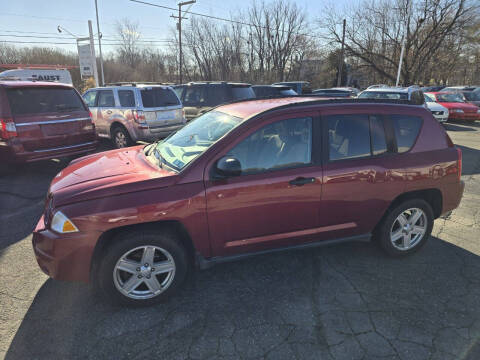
column 300, row 181
column 109, row 112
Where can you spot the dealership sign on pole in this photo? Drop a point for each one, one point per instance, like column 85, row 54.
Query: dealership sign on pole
column 85, row 60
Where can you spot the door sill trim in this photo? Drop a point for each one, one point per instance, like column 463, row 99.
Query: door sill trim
column 204, row 263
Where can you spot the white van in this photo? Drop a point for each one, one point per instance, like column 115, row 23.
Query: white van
column 53, row 75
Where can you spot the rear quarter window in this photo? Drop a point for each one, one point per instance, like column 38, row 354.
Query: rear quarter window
column 406, row 129
column 38, row 100
column 158, row 97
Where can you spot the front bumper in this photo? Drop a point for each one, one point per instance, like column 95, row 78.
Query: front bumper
column 464, row 116
column 63, row 256
column 441, row 118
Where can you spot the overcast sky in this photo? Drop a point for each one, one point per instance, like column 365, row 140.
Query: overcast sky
column 37, row 21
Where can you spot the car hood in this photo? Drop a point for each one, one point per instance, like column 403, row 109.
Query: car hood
column 106, row 174
column 464, row 106
column 433, row 106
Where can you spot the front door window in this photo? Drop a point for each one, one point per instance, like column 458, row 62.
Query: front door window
column 283, row 144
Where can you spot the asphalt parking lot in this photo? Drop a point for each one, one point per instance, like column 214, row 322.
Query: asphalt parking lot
column 340, row 302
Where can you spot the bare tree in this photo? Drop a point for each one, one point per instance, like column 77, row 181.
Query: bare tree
column 128, row 35
column 270, row 49
column 375, row 29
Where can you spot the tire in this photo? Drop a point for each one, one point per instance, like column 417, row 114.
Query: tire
column 111, row 282
column 399, row 240
column 120, row 137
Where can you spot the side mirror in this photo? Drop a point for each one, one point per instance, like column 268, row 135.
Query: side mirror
column 228, row 166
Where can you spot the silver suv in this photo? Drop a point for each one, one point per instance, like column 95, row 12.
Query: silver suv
column 412, row 93
column 129, row 112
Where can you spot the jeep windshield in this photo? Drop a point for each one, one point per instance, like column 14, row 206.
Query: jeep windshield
column 180, row 148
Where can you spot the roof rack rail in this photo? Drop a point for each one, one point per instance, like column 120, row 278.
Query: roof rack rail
column 327, row 100
column 135, row 83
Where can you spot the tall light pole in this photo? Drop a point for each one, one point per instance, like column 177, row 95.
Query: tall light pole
column 99, row 44
column 179, row 27
column 92, row 51
column 404, row 38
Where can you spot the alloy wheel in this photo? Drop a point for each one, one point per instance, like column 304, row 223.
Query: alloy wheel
column 408, row 229
column 120, row 139
column 144, row 272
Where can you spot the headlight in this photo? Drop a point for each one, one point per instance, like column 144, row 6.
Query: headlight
column 457, row 110
column 478, row 111
column 62, row 224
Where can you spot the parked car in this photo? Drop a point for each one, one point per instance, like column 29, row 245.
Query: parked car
column 43, row 120
column 300, row 87
column 129, row 112
column 248, row 178
column 470, row 96
column 458, row 108
column 336, row 92
column 432, row 88
column 200, row 97
column 438, row 111
column 272, row 90
column 411, row 93
column 475, row 88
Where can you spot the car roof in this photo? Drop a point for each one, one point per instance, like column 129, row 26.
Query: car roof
column 216, row 83
column 441, row 92
column 389, row 89
column 251, row 107
column 290, row 82
column 277, row 86
column 246, row 109
column 129, row 87
column 26, row 83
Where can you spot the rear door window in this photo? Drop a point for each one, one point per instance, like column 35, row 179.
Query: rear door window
column 406, row 129
column 158, row 97
column 38, row 100
column 377, row 135
column 90, row 98
column 105, row 98
column 355, row 135
column 127, row 98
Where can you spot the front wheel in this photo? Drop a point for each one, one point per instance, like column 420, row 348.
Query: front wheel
column 142, row 268
column 406, row 228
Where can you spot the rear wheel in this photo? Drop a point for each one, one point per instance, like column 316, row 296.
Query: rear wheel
column 406, row 228
column 120, row 137
column 142, row 268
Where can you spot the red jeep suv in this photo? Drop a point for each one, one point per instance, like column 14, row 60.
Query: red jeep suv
column 42, row 120
column 248, row 178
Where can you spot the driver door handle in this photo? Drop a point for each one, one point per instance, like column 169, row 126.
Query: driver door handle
column 300, row 181
column 109, row 112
